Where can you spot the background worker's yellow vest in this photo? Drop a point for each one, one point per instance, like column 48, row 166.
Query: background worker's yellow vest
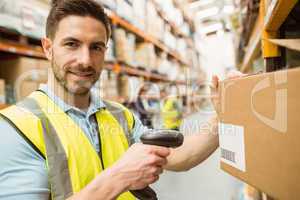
column 71, row 159
column 170, row 114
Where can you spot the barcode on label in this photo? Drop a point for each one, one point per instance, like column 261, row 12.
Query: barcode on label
column 228, row 155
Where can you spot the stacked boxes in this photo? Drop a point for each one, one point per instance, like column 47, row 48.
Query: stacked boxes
column 145, row 56
column 27, row 17
column 106, row 87
column 108, row 3
column 139, row 9
column 2, row 91
column 125, row 46
column 155, row 24
column 23, row 75
column 125, row 10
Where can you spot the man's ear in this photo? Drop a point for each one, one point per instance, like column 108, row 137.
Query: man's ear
column 47, row 47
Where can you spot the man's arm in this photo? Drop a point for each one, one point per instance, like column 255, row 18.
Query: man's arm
column 139, row 167
column 23, row 172
column 195, row 149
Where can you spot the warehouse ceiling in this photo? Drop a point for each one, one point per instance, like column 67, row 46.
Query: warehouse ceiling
column 211, row 16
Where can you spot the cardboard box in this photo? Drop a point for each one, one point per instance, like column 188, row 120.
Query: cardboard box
column 26, row 88
column 2, row 91
column 20, row 70
column 24, row 68
column 259, row 132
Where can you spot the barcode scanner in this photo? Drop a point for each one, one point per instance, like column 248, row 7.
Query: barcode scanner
column 161, row 137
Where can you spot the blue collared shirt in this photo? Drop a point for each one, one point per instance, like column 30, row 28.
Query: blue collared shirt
column 23, row 172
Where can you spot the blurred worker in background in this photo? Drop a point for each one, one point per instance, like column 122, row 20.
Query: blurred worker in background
column 172, row 110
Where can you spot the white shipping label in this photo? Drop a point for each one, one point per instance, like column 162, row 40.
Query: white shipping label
column 231, row 138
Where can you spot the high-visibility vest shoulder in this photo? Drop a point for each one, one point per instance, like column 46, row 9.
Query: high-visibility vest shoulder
column 71, row 159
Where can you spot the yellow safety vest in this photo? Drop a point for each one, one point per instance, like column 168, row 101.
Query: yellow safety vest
column 72, row 161
column 171, row 114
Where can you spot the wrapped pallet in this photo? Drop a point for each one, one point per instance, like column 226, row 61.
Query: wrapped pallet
column 145, row 56
column 125, row 10
column 121, row 44
column 26, row 17
column 23, row 75
column 139, row 10
column 2, row 91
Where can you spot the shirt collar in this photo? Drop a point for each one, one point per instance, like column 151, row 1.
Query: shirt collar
column 95, row 104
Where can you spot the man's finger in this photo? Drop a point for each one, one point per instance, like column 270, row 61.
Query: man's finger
column 160, row 151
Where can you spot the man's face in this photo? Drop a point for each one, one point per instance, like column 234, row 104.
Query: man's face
column 77, row 55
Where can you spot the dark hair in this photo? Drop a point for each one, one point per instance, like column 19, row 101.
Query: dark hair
column 63, row 8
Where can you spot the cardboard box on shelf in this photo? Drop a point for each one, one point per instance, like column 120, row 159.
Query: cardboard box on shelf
column 109, row 55
column 24, row 68
column 125, row 46
column 26, row 88
column 27, row 17
column 121, row 44
column 145, row 56
column 125, row 10
column 139, row 10
column 2, row 91
column 259, row 131
column 20, row 70
column 169, row 38
column 108, row 3
column 107, row 85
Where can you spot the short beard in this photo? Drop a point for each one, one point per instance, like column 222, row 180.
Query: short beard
column 62, row 82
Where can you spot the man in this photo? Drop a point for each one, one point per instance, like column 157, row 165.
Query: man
column 171, row 111
column 64, row 142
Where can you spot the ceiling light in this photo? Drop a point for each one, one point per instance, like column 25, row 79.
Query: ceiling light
column 211, row 28
column 200, row 3
column 228, row 9
column 207, row 13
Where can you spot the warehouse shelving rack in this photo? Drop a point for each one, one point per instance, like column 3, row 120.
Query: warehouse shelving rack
column 35, row 51
column 22, row 47
column 273, row 14
column 116, row 20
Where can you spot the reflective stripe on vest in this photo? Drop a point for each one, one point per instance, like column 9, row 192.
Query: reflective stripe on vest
column 71, row 159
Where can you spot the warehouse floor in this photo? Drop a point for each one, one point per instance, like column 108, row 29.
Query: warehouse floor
column 205, row 182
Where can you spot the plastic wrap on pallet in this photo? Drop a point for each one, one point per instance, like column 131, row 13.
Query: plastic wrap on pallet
column 139, row 10
column 125, row 46
column 108, row 3
column 26, row 17
column 163, row 64
column 125, row 10
column 131, row 41
column 185, row 28
column 169, row 38
column 145, row 56
column 155, row 24
column 181, row 47
column 107, row 85
column 121, row 44
column 109, row 55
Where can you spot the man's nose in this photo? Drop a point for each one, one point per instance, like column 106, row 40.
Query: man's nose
column 84, row 57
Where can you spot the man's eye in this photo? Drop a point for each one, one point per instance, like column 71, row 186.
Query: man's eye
column 71, row 44
column 99, row 48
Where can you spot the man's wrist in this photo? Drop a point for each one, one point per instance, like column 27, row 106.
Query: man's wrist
column 108, row 185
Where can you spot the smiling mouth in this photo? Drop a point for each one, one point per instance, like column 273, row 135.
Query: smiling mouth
column 83, row 74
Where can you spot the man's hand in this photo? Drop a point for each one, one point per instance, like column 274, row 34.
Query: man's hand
column 215, row 95
column 141, row 165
